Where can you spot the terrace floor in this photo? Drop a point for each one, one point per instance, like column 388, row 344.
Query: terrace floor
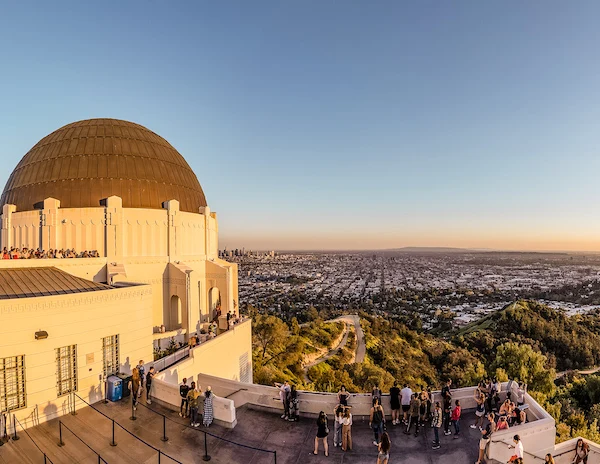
column 293, row 441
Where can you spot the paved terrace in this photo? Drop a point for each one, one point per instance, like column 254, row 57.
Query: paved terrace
column 293, row 441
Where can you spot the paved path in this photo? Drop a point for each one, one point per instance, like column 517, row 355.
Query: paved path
column 361, row 348
column 583, row 372
column 331, row 353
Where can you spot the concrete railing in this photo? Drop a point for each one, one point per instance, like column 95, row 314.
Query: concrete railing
column 168, row 395
column 564, row 452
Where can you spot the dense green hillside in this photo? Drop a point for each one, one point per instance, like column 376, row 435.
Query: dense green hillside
column 568, row 342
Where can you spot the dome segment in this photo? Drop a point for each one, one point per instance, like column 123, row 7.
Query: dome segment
column 85, row 162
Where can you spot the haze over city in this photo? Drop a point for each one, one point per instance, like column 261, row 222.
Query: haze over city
column 329, row 125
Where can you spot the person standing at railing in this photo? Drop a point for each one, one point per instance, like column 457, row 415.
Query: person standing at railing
column 518, row 447
column 192, row 399
column 183, row 391
column 294, row 414
column 582, row 450
column 207, row 416
column 521, row 394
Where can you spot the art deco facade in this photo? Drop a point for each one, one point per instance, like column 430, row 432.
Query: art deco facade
column 119, row 189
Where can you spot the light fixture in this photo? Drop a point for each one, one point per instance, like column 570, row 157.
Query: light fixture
column 41, row 335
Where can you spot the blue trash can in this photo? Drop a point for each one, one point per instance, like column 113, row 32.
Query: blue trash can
column 114, row 390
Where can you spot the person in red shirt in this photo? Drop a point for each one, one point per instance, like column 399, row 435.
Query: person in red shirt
column 455, row 418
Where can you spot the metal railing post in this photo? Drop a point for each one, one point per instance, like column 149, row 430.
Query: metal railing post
column 275, row 454
column 45, row 459
column 73, row 412
column 60, row 440
column 164, row 437
column 15, row 437
column 159, row 453
column 206, row 457
column 113, row 442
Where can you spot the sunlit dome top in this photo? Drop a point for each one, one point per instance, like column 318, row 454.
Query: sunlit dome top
column 86, row 161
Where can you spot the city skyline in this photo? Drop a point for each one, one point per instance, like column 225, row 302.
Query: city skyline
column 325, row 126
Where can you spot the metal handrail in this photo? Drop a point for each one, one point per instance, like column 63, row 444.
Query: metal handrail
column 237, row 391
column 46, row 458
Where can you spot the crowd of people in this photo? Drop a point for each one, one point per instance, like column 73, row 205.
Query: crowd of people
column 30, row 253
column 416, row 410
column 191, row 401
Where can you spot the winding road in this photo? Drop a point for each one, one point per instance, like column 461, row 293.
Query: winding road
column 361, row 348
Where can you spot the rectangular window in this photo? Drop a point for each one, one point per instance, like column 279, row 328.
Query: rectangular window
column 66, row 369
column 12, row 383
column 110, row 355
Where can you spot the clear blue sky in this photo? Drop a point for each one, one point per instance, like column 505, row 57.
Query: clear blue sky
column 336, row 124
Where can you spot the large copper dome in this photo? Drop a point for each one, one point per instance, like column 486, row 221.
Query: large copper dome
column 84, row 162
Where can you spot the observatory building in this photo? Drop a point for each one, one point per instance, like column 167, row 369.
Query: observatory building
column 110, row 256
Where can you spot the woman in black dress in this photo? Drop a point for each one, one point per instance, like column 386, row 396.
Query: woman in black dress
column 322, row 432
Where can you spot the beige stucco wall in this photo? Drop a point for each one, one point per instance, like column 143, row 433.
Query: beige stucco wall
column 81, row 319
column 150, row 244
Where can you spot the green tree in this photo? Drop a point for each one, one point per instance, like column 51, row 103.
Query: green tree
column 522, row 362
column 270, row 334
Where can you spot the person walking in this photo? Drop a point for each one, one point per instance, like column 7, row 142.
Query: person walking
column 384, row 449
column 192, row 400
column 414, row 411
column 149, row 377
column 436, row 423
column 135, row 386
column 486, row 436
column 322, row 432
column 183, row 391
column 338, row 414
column 405, row 396
column 347, row 430
column 455, row 417
column 207, row 416
column 376, row 420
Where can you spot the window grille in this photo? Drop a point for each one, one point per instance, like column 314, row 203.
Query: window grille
column 66, row 369
column 110, row 355
column 12, row 383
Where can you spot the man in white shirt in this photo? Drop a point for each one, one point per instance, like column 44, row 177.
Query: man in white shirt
column 405, row 397
column 518, row 446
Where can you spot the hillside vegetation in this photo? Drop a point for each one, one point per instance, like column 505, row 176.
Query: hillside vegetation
column 526, row 341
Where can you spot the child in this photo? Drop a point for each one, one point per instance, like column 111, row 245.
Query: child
column 436, row 424
column 455, row 417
